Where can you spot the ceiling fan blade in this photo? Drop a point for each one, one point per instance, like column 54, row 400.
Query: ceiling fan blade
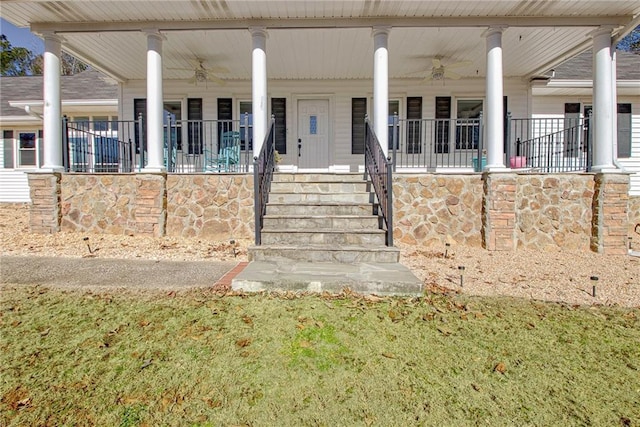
column 451, row 75
column 181, row 69
column 436, row 62
column 192, row 79
column 217, row 80
column 218, row 69
column 459, row 64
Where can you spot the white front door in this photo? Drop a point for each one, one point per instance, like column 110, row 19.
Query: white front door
column 313, row 133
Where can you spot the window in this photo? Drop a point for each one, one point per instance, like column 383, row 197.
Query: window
column 246, row 125
column 279, row 110
column 414, row 122
column 358, row 114
column 572, row 132
column 7, row 137
column 624, row 130
column 394, row 110
column 27, row 149
column 101, row 123
column 468, row 124
column 443, row 117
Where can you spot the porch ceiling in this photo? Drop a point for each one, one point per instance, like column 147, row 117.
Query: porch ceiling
column 320, row 39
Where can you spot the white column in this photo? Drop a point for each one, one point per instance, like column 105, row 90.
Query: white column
column 493, row 110
column 155, row 107
column 614, row 104
column 259, row 87
column 602, row 101
column 381, row 86
column 52, row 118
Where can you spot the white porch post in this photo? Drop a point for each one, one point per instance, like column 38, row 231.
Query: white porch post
column 381, row 86
column 52, row 124
column 259, row 87
column 494, row 116
column 155, row 130
column 614, row 104
column 603, row 102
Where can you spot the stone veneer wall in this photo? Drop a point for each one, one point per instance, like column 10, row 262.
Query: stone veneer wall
column 634, row 217
column 99, row 203
column 44, row 215
column 554, row 211
column 210, row 206
column 432, row 208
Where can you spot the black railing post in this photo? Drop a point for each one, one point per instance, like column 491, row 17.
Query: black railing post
column 141, row 144
column 508, row 140
column 389, row 202
column 589, row 124
column 480, row 142
column 257, row 198
column 394, row 138
column 65, row 143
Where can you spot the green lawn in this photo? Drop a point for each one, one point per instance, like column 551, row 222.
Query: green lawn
column 281, row 360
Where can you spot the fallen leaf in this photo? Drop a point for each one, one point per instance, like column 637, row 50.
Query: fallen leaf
column 389, row 355
column 444, row 332
column 306, row 344
column 244, row 342
column 476, row 387
column 146, row 364
column 501, row 367
column 247, row 319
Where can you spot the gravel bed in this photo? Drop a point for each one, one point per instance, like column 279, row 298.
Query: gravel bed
column 563, row 276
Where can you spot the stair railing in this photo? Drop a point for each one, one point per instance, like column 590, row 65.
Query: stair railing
column 379, row 168
column 263, row 167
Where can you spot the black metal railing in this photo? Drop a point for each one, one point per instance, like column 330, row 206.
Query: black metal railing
column 189, row 146
column 549, row 145
column 263, row 167
column 379, row 169
column 104, row 146
column 432, row 144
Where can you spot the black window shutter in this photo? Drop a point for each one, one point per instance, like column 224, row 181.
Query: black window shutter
column 505, row 123
column 194, row 125
column 443, row 116
column 7, row 135
column 140, row 109
column 225, row 117
column 414, row 117
column 572, row 108
column 358, row 113
column 279, row 110
column 624, row 130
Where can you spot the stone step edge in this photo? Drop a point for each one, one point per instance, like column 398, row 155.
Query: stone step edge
column 303, row 216
column 328, row 248
column 324, row 230
column 314, row 203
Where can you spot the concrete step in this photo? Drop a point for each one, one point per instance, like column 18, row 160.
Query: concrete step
column 316, row 208
column 358, row 198
column 323, row 236
column 308, row 222
column 318, row 177
column 320, row 253
column 284, row 275
column 319, row 187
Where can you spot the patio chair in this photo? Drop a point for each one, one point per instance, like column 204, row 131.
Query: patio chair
column 228, row 158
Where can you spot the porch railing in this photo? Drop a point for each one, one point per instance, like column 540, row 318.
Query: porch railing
column 120, row 146
column 379, row 169
column 433, row 144
column 263, row 167
column 99, row 146
column 548, row 145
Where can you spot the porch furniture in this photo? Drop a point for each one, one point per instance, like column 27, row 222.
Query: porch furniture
column 228, row 157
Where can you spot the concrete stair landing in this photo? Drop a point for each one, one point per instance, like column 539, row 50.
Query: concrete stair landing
column 320, row 233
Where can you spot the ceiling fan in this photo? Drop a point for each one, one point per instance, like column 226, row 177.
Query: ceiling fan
column 202, row 74
column 441, row 71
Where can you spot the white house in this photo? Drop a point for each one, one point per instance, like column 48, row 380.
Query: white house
column 321, row 65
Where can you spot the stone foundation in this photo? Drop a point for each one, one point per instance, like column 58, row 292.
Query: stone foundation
column 45, row 215
column 634, row 218
column 210, row 206
column 501, row 211
column 610, row 215
column 433, row 208
column 554, row 211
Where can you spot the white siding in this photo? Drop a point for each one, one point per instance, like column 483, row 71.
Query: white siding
column 14, row 186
